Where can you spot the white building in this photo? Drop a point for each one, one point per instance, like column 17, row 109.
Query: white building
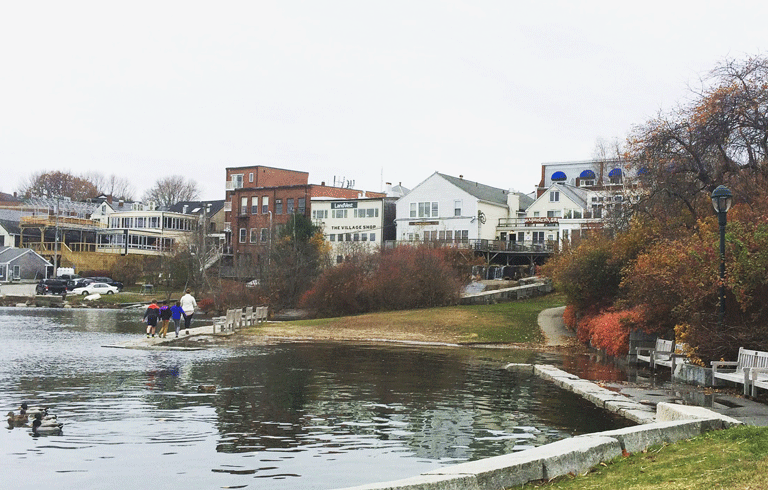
column 148, row 232
column 354, row 225
column 451, row 209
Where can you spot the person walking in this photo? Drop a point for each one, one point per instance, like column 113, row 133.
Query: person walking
column 176, row 314
column 151, row 316
column 165, row 318
column 188, row 304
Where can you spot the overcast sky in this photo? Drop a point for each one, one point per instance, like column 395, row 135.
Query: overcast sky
column 370, row 91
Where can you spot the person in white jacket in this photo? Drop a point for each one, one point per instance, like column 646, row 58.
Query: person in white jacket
column 188, row 304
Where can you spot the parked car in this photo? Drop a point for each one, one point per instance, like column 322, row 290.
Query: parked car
column 51, row 286
column 96, row 287
column 108, row 280
column 78, row 283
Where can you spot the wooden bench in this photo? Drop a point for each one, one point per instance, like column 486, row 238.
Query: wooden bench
column 679, row 354
column 662, row 353
column 758, row 378
column 738, row 371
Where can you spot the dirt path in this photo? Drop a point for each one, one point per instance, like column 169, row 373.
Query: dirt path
column 551, row 324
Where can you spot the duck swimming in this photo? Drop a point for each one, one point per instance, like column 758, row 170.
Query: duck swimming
column 33, row 410
column 40, row 426
column 17, row 420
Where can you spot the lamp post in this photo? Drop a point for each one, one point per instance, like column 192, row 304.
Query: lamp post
column 721, row 201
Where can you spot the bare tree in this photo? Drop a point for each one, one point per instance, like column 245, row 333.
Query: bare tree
column 58, row 184
column 170, row 190
column 112, row 185
column 720, row 137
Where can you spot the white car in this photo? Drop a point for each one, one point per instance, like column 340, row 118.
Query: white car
column 95, row 288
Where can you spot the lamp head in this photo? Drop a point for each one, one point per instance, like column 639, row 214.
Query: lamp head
column 722, row 199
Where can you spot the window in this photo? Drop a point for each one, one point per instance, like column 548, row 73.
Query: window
column 264, row 234
column 372, row 237
column 250, row 177
column 339, row 259
column 254, row 235
column 243, row 206
column 457, row 207
column 243, row 233
column 237, row 181
column 265, row 205
column 554, row 196
column 319, row 214
column 356, row 237
column 364, row 237
column 553, row 214
column 254, row 205
column 338, row 213
column 538, row 237
column 302, row 205
column 332, row 237
column 462, row 235
column 427, row 209
column 289, row 205
column 278, row 206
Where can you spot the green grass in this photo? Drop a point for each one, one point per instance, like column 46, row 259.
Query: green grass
column 733, row 459
column 512, row 322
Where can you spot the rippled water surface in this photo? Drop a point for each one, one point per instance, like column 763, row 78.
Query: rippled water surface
column 297, row 415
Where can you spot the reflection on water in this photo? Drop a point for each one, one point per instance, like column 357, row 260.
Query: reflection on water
column 313, row 415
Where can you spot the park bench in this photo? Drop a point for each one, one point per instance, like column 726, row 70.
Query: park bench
column 738, row 371
column 662, row 353
column 678, row 354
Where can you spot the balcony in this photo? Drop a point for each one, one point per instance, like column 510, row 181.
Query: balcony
column 232, row 185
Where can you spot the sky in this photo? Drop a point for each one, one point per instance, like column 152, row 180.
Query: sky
column 364, row 91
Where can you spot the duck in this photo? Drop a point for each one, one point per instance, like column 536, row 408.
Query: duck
column 33, row 410
column 40, row 426
column 17, row 420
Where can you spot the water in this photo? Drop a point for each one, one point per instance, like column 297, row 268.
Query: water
column 295, row 415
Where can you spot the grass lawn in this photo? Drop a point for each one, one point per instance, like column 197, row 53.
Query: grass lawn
column 513, row 322
column 733, row 459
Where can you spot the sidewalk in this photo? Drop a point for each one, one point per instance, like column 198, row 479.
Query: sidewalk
column 141, row 341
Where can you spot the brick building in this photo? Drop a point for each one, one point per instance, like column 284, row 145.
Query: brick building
column 259, row 201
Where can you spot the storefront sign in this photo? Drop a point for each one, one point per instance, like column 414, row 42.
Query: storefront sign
column 344, row 205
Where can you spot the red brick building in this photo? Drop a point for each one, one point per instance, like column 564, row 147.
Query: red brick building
column 259, row 201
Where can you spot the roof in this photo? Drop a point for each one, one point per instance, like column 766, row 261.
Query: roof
column 486, row 192
column 12, row 227
column 8, row 254
column 196, row 207
column 576, row 194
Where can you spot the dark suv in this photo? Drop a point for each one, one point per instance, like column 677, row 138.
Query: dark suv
column 51, row 286
column 108, row 280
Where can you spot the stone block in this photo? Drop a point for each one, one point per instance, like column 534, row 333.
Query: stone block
column 577, row 455
column 508, row 470
column 673, row 411
column 425, row 482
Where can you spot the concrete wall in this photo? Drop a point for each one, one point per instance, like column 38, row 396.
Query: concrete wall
column 539, row 288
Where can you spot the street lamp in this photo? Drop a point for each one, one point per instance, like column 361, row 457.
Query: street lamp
column 721, row 201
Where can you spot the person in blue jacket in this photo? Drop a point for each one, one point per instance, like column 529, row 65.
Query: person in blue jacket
column 177, row 312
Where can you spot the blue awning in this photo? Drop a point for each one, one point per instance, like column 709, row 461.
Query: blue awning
column 587, row 174
column 616, row 172
column 559, row 176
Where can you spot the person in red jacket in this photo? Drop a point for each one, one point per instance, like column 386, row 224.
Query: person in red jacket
column 151, row 316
